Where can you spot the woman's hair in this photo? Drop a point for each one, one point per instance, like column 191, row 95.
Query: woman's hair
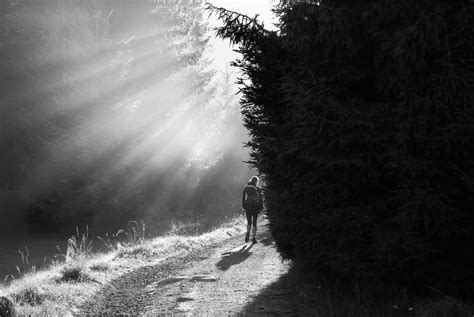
column 254, row 179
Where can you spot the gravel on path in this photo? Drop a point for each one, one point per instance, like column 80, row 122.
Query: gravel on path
column 231, row 278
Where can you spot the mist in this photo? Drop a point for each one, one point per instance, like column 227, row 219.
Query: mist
column 114, row 111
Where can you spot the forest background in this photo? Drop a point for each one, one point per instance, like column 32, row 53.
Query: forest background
column 112, row 110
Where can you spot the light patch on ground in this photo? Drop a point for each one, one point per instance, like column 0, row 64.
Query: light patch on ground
column 225, row 282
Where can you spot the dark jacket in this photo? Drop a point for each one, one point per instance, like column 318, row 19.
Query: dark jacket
column 249, row 190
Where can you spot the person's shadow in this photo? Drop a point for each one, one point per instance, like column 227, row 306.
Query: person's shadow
column 234, row 257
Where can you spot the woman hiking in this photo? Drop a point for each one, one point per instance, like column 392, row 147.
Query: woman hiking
column 252, row 204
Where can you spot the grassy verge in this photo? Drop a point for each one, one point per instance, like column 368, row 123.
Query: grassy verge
column 63, row 287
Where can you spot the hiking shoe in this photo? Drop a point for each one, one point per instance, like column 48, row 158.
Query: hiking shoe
column 247, row 236
column 254, row 240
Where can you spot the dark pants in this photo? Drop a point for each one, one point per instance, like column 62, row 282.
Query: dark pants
column 252, row 215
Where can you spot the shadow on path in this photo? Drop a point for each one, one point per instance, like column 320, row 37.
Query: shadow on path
column 265, row 237
column 266, row 241
column 235, row 257
column 280, row 299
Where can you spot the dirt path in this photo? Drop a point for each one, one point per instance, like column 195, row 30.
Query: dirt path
column 229, row 279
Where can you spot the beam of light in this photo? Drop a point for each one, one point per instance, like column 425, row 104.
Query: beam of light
column 140, row 105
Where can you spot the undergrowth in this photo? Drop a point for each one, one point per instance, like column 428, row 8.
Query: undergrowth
column 319, row 297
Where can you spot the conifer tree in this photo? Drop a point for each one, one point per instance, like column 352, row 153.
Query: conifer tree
column 362, row 123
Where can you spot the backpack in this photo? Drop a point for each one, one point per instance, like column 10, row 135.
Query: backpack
column 253, row 198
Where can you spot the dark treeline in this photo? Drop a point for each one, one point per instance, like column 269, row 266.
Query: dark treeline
column 362, row 122
column 110, row 112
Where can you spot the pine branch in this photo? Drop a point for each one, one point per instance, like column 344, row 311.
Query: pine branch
column 235, row 21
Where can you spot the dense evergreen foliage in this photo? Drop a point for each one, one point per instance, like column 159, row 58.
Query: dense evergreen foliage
column 362, row 122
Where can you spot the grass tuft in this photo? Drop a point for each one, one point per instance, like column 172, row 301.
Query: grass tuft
column 178, row 228
column 71, row 274
column 32, row 296
column 24, row 267
column 135, row 232
column 79, row 245
column 101, row 267
column 76, row 272
column 108, row 243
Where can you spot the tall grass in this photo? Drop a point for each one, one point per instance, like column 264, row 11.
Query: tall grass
column 25, row 263
column 108, row 243
column 135, row 232
column 79, row 245
column 23, row 268
column 65, row 285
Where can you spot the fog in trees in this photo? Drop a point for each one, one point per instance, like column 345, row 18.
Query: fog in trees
column 113, row 111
